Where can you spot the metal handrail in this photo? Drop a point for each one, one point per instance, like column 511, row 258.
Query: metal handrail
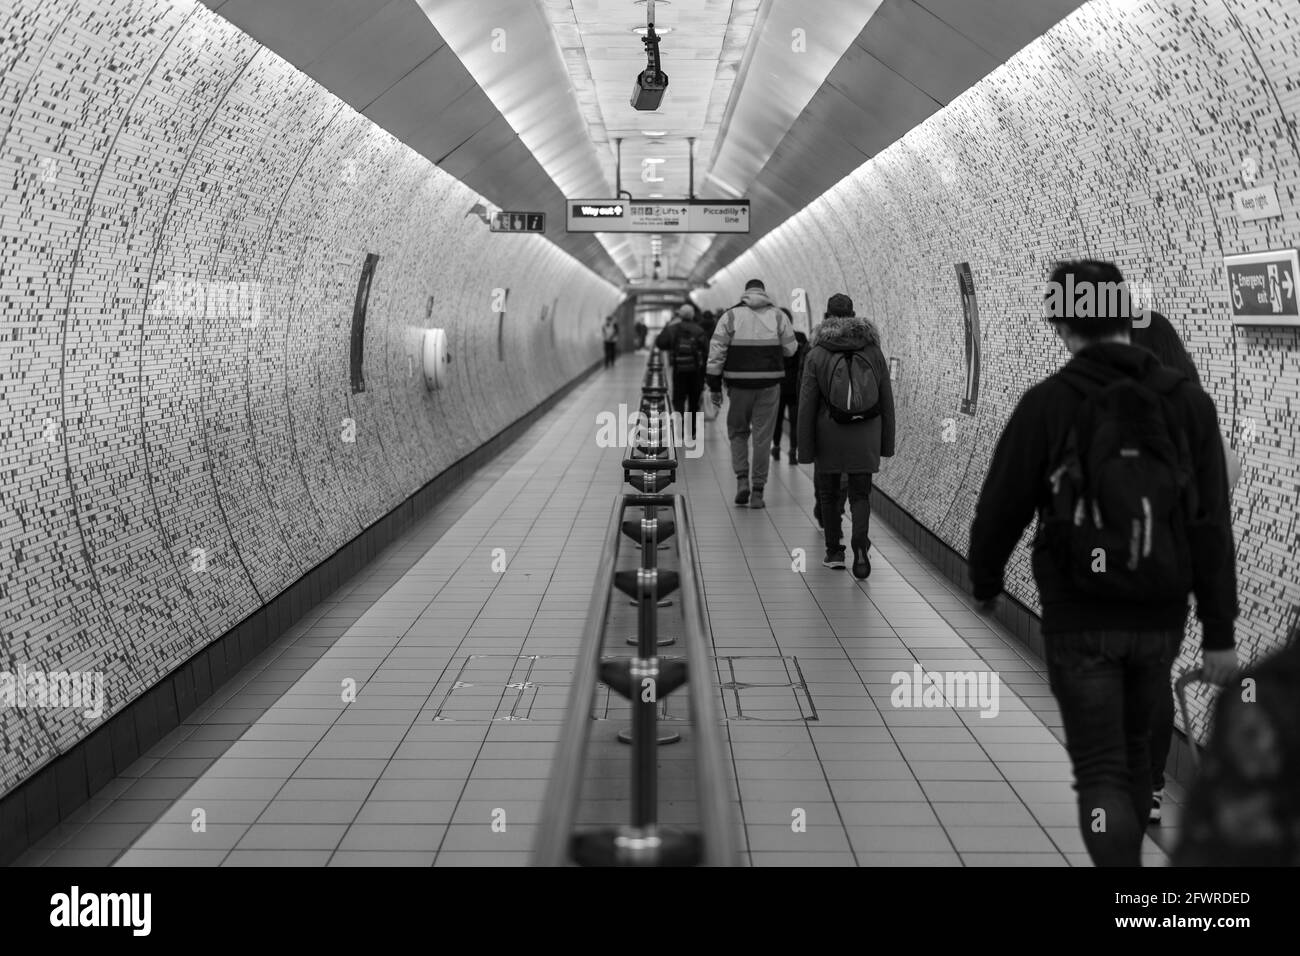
column 719, row 825
column 564, row 789
column 718, row 821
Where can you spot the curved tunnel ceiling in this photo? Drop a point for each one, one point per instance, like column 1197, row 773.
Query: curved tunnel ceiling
column 388, row 62
column 782, row 103
column 912, row 59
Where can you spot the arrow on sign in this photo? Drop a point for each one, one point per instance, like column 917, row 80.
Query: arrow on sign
column 1288, row 285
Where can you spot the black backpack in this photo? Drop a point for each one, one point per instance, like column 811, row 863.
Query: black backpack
column 1123, row 493
column 852, row 393
column 686, row 352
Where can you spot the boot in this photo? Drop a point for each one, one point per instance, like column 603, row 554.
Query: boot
column 742, row 490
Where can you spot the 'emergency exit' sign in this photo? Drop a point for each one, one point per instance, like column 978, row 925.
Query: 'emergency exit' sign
column 1264, row 287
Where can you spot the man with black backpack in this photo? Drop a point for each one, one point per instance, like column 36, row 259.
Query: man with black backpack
column 1122, row 461
column 846, row 424
column 686, row 344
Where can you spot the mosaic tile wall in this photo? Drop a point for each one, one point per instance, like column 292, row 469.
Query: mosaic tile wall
column 148, row 149
column 1124, row 134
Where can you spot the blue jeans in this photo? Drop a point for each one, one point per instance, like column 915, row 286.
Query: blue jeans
column 1107, row 684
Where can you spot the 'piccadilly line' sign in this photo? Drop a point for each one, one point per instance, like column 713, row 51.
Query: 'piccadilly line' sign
column 658, row 215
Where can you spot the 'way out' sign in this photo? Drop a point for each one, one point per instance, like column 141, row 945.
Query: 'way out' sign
column 1264, row 287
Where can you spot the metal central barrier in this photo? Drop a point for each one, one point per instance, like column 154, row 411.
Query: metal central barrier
column 645, row 679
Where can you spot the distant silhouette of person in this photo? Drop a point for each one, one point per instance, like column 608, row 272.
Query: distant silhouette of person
column 789, row 404
column 687, row 345
column 610, row 333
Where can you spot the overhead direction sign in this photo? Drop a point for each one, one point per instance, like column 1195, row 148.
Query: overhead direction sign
column 518, row 221
column 658, row 215
column 1265, row 287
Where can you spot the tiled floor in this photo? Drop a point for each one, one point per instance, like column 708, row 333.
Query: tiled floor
column 409, row 720
column 877, row 784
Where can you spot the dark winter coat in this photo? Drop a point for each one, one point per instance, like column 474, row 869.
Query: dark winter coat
column 794, row 370
column 1018, row 484
column 667, row 340
column 848, row 449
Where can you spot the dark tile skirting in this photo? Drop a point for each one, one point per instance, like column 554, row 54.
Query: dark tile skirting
column 59, row 787
column 1014, row 616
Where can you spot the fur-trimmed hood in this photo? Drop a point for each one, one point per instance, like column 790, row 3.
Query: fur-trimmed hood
column 845, row 334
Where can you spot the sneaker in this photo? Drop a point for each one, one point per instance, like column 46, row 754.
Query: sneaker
column 1157, row 799
column 861, row 564
column 756, row 500
column 776, row 452
column 834, row 559
column 742, row 492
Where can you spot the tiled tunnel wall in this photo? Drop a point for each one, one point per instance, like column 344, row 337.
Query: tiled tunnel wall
column 1123, row 134
column 170, row 461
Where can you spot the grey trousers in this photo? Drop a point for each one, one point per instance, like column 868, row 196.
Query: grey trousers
column 752, row 411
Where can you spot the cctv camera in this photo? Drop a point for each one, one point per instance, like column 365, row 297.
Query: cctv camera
column 652, row 81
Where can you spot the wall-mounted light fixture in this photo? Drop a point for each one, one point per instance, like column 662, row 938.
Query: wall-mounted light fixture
column 436, row 358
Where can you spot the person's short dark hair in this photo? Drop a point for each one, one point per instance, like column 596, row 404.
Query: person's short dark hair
column 1090, row 298
column 755, row 284
column 839, row 305
column 1159, row 337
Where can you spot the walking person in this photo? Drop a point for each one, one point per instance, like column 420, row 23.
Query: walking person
column 1122, row 460
column 610, row 333
column 1159, row 337
column 846, row 425
column 748, row 352
column 709, row 322
column 687, row 345
column 790, row 396
column 844, row 479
